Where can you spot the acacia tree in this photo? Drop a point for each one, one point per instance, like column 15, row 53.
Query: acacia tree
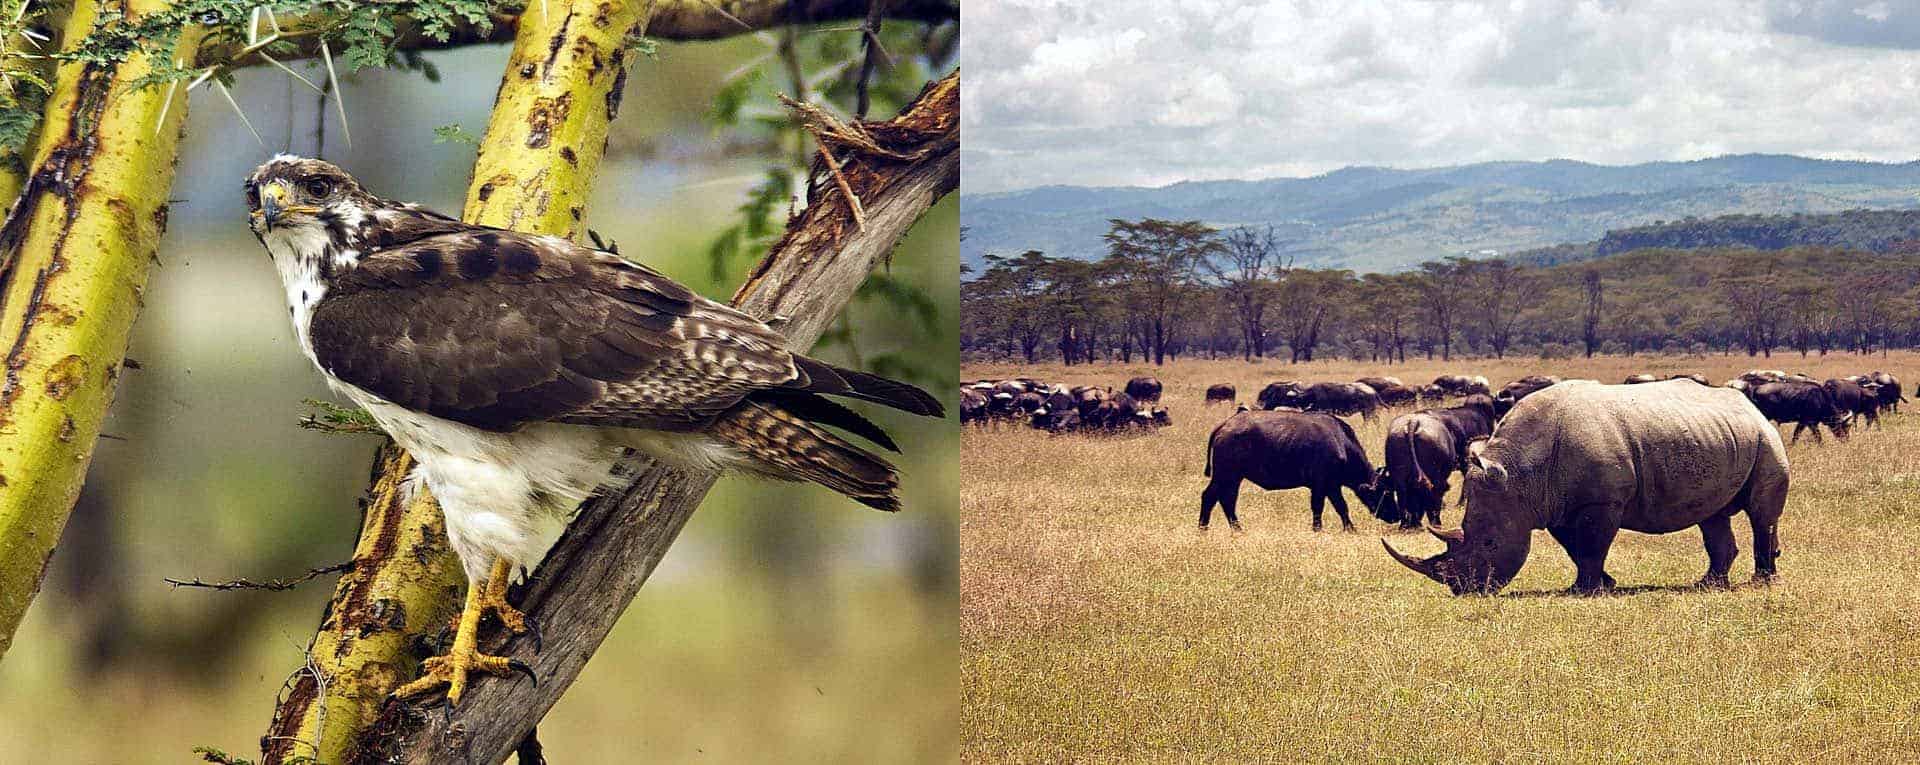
column 1442, row 286
column 1501, row 292
column 1158, row 260
column 1590, row 318
column 1311, row 299
column 1249, row 266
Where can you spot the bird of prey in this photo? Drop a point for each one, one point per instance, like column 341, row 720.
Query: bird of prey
column 518, row 368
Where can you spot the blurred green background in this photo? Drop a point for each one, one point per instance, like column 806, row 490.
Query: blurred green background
column 788, row 624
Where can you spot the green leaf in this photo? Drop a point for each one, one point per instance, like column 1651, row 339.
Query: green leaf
column 453, row 133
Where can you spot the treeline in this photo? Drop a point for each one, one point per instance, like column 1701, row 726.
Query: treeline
column 1871, row 230
column 1168, row 289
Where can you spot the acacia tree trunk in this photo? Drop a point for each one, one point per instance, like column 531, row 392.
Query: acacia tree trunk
column 76, row 250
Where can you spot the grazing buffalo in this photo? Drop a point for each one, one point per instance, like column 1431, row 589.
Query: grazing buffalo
column 1289, row 450
column 1028, row 403
column 1855, row 399
column 973, row 407
column 1807, row 405
column 1391, row 391
column 1513, row 392
column 1276, row 394
column 1890, row 397
column 1058, row 414
column 1089, row 401
column 1144, row 389
column 1160, row 417
column 1220, row 393
column 1584, row 460
column 1425, row 448
column 1462, row 385
column 1336, row 398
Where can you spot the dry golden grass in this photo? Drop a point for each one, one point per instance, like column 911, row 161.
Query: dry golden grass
column 1099, row 625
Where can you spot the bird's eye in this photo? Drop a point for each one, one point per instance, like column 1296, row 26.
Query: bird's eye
column 317, row 187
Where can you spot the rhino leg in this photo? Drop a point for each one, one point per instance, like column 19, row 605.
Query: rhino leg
column 1721, row 549
column 1587, row 545
column 1769, row 497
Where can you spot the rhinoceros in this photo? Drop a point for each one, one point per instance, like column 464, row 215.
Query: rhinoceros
column 1584, row 460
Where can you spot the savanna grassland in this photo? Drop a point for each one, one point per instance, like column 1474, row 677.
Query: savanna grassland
column 1098, row 624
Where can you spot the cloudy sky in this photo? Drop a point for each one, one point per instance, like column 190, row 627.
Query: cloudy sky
column 1149, row 92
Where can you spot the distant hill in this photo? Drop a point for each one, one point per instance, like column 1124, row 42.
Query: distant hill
column 1384, row 219
column 1879, row 231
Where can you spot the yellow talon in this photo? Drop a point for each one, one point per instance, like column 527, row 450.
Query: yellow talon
column 465, row 657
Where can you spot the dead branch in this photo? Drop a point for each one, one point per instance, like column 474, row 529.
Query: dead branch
column 673, row 20
column 275, row 585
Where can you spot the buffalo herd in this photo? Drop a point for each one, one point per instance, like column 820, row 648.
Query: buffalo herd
column 1062, row 409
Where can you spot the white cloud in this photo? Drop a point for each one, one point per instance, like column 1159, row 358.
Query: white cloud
column 1147, row 92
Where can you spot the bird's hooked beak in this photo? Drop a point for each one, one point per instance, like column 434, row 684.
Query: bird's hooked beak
column 274, row 207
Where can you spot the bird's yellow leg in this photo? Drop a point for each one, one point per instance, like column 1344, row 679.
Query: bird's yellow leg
column 465, row 657
column 494, row 598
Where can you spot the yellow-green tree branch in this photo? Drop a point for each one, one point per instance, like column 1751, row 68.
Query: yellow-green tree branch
column 535, row 167
column 672, row 20
column 76, row 250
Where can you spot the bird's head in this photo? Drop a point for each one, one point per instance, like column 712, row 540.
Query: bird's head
column 291, row 193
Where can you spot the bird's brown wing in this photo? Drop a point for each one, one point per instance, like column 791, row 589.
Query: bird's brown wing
column 497, row 329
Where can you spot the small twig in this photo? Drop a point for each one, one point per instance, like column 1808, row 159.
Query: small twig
column 871, row 33
column 853, row 200
column 276, row 585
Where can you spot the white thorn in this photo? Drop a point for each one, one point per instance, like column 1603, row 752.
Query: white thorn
column 237, row 110
column 172, row 87
column 339, row 100
column 290, row 72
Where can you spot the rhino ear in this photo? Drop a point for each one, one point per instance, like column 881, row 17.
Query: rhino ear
column 1474, row 449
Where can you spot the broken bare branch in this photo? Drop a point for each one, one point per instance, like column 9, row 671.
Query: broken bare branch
column 274, row 585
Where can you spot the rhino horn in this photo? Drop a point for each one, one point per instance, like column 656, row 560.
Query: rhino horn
column 1453, row 537
column 1424, row 568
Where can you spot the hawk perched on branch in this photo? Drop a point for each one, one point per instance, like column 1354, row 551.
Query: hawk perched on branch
column 516, row 368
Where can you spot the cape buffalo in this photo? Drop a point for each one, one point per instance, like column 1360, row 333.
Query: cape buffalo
column 1288, row 450
column 1805, row 404
column 1425, row 448
column 1513, row 392
column 1059, row 414
column 973, row 407
column 1144, row 389
column 1335, row 397
column 1889, row 393
column 1222, row 392
column 1277, row 393
column 1391, row 391
column 1855, row 399
column 1584, row 460
column 1462, row 385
